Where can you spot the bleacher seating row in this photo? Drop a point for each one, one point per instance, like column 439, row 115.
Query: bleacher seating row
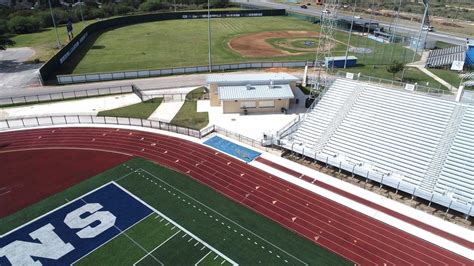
column 457, row 175
column 420, row 140
column 446, row 56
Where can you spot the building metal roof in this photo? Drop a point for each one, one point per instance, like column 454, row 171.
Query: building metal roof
column 255, row 92
column 336, row 58
column 255, row 79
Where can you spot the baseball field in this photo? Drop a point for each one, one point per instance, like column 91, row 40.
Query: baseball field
column 184, row 43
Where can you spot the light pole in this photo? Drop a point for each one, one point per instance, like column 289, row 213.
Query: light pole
column 350, row 33
column 426, row 4
column 80, row 9
column 54, row 24
column 209, row 33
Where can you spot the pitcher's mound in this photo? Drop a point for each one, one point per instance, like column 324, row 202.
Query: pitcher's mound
column 255, row 44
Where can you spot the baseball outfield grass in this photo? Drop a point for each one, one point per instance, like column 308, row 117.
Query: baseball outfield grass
column 184, row 43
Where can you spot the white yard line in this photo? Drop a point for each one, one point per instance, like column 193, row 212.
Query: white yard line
column 149, row 253
column 176, row 224
column 110, row 239
column 230, row 220
column 203, row 258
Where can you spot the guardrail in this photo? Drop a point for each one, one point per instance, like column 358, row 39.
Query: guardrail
column 133, row 74
column 59, row 96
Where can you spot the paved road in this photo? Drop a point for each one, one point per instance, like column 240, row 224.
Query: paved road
column 181, row 81
column 14, row 73
column 441, row 36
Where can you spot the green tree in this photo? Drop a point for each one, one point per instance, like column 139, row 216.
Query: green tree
column 395, row 67
column 4, row 42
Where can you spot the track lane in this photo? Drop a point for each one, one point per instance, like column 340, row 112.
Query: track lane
column 192, row 157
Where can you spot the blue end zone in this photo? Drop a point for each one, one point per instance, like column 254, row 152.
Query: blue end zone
column 73, row 230
column 233, row 149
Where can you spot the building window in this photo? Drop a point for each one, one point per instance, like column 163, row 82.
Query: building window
column 266, row 104
column 247, row 105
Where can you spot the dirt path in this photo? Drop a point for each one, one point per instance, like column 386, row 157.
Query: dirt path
column 255, row 45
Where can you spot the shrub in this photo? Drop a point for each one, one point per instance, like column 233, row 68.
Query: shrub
column 153, row 5
column 23, row 25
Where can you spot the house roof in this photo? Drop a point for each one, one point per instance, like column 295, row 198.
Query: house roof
column 255, row 79
column 255, row 92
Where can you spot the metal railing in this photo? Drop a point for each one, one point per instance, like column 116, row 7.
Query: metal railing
column 66, row 95
column 382, row 177
column 170, row 97
column 417, row 88
column 30, row 122
column 132, row 74
column 260, row 144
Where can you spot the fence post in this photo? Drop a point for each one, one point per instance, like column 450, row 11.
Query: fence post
column 37, row 121
column 431, row 199
column 23, row 122
column 79, row 119
column 8, row 124
column 24, row 97
column 52, row 123
column 469, row 212
column 65, row 120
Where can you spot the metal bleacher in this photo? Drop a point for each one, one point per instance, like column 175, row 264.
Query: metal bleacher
column 446, row 56
column 417, row 143
column 457, row 174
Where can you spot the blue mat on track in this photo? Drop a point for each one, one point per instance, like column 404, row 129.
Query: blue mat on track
column 233, row 149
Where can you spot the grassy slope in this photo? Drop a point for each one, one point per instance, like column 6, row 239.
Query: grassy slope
column 44, row 42
column 188, row 115
column 184, row 42
column 219, row 237
column 412, row 75
column 138, row 110
column 449, row 76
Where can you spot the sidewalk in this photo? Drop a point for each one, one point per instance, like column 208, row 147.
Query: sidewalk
column 421, row 66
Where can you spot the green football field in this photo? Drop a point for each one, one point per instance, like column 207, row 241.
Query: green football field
column 174, row 43
column 191, row 225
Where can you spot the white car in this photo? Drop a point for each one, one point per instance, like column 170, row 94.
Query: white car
column 428, row 28
column 325, row 11
column 357, row 17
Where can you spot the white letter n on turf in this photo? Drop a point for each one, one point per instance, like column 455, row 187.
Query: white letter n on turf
column 51, row 247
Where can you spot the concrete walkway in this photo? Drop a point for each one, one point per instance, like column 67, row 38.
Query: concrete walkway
column 173, row 100
column 90, row 106
column 421, row 66
column 166, row 111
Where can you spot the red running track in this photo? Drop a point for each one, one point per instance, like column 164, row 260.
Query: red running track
column 30, row 176
column 353, row 235
column 427, row 227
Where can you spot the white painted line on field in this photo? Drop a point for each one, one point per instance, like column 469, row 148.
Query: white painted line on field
column 203, row 258
column 173, row 222
column 161, row 244
column 230, row 220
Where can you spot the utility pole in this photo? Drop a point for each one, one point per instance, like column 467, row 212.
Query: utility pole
column 54, row 24
column 82, row 16
column 209, row 33
column 350, row 32
column 426, row 4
